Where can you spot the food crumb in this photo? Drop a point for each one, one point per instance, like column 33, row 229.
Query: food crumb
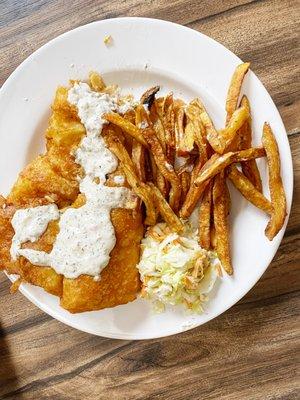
column 15, row 286
column 107, row 40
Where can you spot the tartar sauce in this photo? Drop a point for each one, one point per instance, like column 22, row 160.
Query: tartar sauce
column 86, row 234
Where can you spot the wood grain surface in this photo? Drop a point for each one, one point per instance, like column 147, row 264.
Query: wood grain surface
column 249, row 352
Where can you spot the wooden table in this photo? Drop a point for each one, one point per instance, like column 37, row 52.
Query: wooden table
column 249, row 352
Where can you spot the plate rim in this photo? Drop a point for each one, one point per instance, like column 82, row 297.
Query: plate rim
column 288, row 160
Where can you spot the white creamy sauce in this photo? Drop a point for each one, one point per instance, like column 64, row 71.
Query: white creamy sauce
column 29, row 224
column 86, row 234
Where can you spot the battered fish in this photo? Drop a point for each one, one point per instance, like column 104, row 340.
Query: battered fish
column 52, row 178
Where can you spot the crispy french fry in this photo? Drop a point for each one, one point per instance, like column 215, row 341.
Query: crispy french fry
column 248, row 190
column 220, row 214
column 180, row 131
column 138, row 159
column 138, row 150
column 164, row 167
column 249, row 168
column 165, row 210
column 205, row 209
column 192, row 198
column 149, row 96
column 278, row 199
column 194, row 193
column 142, row 121
column 224, row 137
column 96, row 81
column 206, row 120
column 140, row 189
column 156, row 119
column 169, row 125
column 185, row 178
column 194, row 132
column 126, row 126
column 234, row 89
column 218, row 163
column 250, row 154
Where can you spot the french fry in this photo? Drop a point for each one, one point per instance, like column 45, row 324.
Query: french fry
column 164, row 167
column 169, row 126
column 206, row 120
column 192, row 198
column 194, row 132
column 140, row 189
column 249, row 168
column 194, row 193
column 156, row 119
column 165, row 210
column 220, row 213
column 185, row 178
column 235, row 89
column 126, row 126
column 248, row 190
column 96, row 81
column 138, row 159
column 250, row 154
column 142, row 121
column 205, row 209
column 149, row 96
column 278, row 199
column 180, row 133
column 218, row 163
column 225, row 136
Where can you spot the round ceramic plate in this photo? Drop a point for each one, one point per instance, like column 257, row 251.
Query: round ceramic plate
column 143, row 53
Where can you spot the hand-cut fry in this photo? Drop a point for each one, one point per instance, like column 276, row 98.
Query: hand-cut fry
column 249, row 168
column 248, row 190
column 180, row 132
column 225, row 136
column 162, row 184
column 194, row 193
column 156, row 119
column 164, row 167
column 142, row 120
column 220, row 216
column 206, row 120
column 96, row 81
column 234, row 89
column 138, row 159
column 169, row 126
column 192, row 198
column 278, row 199
column 185, row 178
column 141, row 189
column 126, row 126
column 194, row 132
column 250, row 154
column 204, row 217
column 218, row 163
column 165, row 210
column 149, row 96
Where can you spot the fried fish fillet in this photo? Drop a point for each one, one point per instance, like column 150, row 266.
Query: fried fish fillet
column 52, row 178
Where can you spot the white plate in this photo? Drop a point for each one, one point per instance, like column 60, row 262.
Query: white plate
column 144, row 52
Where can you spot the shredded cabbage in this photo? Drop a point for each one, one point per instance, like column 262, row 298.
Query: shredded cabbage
column 175, row 270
